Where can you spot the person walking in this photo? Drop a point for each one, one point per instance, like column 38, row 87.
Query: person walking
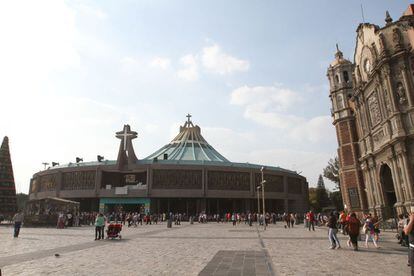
column 353, row 227
column 99, row 227
column 292, row 219
column 333, row 230
column 409, row 231
column 311, row 220
column 368, row 230
column 18, row 220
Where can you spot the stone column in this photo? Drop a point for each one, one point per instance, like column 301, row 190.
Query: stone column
column 380, row 194
column 386, row 72
column 403, row 180
column 364, row 117
column 285, row 186
column 368, row 188
column 252, row 184
column 286, row 194
column 286, row 205
column 98, row 181
column 381, row 99
column 149, row 181
column 407, row 172
column 407, row 84
column 59, row 182
column 396, row 180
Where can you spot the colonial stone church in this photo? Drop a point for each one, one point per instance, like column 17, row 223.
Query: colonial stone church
column 373, row 113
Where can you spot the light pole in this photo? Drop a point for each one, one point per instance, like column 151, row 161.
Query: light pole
column 263, row 198
column 258, row 202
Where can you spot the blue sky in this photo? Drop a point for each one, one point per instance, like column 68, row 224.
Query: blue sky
column 252, row 74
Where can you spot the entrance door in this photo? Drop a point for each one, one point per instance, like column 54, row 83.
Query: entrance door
column 117, row 208
column 388, row 189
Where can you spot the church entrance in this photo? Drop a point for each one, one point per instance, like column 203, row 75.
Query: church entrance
column 388, row 190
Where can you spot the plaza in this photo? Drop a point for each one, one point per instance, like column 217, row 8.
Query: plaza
column 195, row 249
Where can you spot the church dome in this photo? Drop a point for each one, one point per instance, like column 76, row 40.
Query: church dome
column 188, row 145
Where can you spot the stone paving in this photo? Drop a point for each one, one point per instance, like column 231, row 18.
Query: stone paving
column 199, row 249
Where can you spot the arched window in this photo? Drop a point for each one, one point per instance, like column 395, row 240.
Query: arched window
column 346, row 76
column 336, row 78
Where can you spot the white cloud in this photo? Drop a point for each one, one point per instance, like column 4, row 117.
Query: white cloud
column 190, row 70
column 316, row 129
column 264, row 97
column 160, row 62
column 275, row 107
column 215, row 60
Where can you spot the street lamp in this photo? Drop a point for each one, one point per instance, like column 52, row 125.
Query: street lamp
column 258, row 202
column 263, row 197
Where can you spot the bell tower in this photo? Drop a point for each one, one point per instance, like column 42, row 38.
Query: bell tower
column 342, row 111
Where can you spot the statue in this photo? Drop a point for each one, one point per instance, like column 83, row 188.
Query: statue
column 401, row 93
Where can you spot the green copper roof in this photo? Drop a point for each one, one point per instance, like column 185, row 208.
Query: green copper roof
column 189, row 145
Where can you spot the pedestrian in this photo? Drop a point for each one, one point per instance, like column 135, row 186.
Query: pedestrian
column 353, row 227
column 99, row 227
column 18, row 220
column 292, row 219
column 409, row 231
column 376, row 221
column 333, row 230
column 402, row 237
column 306, row 220
column 342, row 220
column 368, row 230
column 311, row 220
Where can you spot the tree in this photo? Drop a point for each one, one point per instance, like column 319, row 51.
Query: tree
column 313, row 202
column 321, row 194
column 331, row 172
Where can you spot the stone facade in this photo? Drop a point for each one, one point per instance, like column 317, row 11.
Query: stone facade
column 373, row 112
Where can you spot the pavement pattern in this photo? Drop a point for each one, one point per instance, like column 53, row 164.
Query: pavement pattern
column 198, row 249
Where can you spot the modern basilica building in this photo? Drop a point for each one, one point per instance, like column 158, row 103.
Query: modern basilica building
column 187, row 175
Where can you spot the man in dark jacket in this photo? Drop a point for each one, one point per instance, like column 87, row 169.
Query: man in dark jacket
column 333, row 230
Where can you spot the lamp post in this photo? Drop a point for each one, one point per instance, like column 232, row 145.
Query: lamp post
column 263, row 197
column 258, row 202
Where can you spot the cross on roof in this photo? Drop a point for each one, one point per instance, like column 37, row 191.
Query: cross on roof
column 126, row 134
column 188, row 117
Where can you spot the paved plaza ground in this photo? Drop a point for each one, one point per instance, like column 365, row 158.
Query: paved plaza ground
column 199, row 249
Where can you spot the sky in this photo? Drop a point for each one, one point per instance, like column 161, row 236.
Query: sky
column 251, row 73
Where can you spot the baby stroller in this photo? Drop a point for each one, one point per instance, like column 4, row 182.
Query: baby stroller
column 114, row 230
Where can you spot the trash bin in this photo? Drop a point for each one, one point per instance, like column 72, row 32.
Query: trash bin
column 169, row 223
column 191, row 220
